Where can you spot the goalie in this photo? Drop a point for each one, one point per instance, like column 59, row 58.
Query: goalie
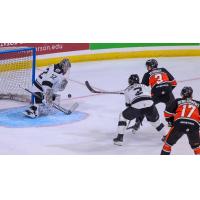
column 45, row 87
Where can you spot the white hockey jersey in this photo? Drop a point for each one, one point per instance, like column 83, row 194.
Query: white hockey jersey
column 138, row 96
column 50, row 79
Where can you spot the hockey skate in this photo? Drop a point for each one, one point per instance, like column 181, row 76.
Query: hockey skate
column 32, row 112
column 118, row 140
column 164, row 138
column 135, row 127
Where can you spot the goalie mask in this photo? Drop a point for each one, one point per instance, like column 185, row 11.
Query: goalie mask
column 62, row 67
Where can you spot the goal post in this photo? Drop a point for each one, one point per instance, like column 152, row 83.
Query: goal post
column 17, row 67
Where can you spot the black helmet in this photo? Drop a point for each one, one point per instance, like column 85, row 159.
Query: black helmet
column 134, row 78
column 187, row 92
column 152, row 63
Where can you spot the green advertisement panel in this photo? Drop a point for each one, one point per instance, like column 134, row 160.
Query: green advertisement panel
column 95, row 46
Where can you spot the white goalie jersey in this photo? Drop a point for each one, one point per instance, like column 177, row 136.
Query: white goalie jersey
column 138, row 96
column 49, row 78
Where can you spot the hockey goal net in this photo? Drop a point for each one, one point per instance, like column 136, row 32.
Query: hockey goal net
column 17, row 67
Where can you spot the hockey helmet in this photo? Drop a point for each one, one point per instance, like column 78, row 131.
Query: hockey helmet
column 64, row 65
column 186, row 92
column 152, row 63
column 134, row 78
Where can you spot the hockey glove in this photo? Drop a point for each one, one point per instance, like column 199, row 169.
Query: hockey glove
column 63, row 85
column 128, row 105
column 48, row 97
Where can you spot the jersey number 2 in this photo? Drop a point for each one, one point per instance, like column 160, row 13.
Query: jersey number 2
column 139, row 91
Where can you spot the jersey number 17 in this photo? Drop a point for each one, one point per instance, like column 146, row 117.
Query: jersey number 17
column 188, row 110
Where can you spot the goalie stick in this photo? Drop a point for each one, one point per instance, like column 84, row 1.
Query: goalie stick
column 100, row 91
column 56, row 106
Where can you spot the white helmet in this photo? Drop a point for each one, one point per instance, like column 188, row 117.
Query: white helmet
column 65, row 65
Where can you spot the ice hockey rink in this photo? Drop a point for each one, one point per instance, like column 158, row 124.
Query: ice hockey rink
column 91, row 129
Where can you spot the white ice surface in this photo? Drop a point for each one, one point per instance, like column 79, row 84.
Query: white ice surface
column 94, row 134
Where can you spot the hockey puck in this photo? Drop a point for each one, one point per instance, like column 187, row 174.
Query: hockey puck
column 69, row 96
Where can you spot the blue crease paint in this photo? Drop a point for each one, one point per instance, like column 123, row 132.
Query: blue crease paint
column 14, row 118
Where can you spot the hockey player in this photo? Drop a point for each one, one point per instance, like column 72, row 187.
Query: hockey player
column 47, row 84
column 161, row 82
column 139, row 103
column 184, row 115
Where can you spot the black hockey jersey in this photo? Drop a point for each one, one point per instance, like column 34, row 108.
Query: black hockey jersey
column 183, row 109
column 158, row 76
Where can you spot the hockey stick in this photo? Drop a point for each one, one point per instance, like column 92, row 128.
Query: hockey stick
column 99, row 91
column 56, row 106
